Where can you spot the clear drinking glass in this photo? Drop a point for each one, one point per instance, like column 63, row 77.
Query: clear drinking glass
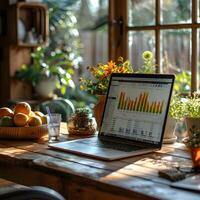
column 54, row 126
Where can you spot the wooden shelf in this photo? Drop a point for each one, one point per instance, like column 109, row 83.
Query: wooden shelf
column 32, row 20
column 23, row 44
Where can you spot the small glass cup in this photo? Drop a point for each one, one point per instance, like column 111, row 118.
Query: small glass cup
column 54, row 126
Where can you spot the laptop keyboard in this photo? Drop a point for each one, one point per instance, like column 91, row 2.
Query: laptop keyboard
column 112, row 145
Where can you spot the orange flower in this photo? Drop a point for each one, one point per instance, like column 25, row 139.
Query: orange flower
column 111, row 64
column 101, row 74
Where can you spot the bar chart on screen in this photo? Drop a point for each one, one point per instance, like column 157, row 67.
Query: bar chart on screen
column 138, row 114
column 140, row 103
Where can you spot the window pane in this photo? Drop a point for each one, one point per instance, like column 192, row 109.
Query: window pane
column 176, row 56
column 140, row 41
column 141, row 13
column 93, row 28
column 175, row 11
column 198, row 60
column 198, row 7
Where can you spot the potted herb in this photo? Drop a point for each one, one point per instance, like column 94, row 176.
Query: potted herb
column 82, row 122
column 177, row 107
column 48, row 71
column 192, row 112
column 186, row 108
column 175, row 114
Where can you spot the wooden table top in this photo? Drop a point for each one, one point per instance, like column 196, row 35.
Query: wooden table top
column 33, row 162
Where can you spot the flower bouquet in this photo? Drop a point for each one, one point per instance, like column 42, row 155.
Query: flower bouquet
column 100, row 74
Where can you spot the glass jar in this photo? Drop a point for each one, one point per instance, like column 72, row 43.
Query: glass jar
column 82, row 125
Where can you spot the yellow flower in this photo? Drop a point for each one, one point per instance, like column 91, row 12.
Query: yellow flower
column 120, row 59
column 82, row 87
column 147, row 55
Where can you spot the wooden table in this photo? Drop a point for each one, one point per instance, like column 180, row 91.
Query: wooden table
column 84, row 178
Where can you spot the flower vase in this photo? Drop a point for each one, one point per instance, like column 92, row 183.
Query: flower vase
column 99, row 108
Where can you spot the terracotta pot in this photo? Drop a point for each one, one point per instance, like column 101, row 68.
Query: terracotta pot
column 192, row 123
column 195, row 154
column 99, row 108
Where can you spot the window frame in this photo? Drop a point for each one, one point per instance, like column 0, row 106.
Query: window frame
column 119, row 29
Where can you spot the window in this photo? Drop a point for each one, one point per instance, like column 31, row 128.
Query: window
column 168, row 28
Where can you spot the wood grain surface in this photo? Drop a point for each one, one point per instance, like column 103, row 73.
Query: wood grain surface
column 84, row 178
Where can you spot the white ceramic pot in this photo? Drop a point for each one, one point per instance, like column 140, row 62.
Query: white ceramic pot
column 46, row 87
column 192, row 123
column 169, row 134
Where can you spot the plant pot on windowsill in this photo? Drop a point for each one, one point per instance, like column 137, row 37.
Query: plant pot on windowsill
column 192, row 123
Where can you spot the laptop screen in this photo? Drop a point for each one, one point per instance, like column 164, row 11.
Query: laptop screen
column 136, row 107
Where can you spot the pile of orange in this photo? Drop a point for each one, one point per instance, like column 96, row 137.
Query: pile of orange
column 22, row 116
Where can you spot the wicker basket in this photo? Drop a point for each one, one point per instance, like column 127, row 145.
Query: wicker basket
column 35, row 132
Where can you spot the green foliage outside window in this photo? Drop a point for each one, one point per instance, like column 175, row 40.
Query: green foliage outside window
column 183, row 82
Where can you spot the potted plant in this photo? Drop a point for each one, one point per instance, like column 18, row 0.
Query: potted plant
column 192, row 113
column 47, row 72
column 193, row 144
column 82, row 122
column 98, row 84
column 176, row 113
column 186, row 108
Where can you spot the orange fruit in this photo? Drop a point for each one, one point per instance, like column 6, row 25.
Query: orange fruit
column 38, row 113
column 35, row 121
column 31, row 114
column 22, row 107
column 6, row 112
column 44, row 119
column 20, row 119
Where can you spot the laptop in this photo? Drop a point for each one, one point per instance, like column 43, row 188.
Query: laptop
column 133, row 121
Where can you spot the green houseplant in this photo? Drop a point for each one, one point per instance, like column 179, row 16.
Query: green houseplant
column 177, row 107
column 192, row 113
column 51, row 67
column 82, row 122
column 176, row 114
column 182, row 107
column 186, row 108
